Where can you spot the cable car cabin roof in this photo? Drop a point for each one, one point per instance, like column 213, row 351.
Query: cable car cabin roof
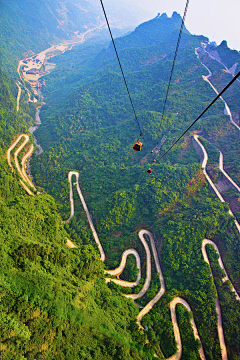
column 137, row 146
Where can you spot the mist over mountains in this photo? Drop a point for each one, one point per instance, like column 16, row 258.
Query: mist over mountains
column 30, row 26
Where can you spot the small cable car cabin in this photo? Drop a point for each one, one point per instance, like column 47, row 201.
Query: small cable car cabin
column 137, row 146
column 149, row 171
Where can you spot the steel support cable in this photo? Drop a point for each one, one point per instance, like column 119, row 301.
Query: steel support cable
column 216, row 98
column 174, row 60
column 140, row 131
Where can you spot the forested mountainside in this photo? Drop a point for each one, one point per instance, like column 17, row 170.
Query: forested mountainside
column 26, row 27
column 55, row 302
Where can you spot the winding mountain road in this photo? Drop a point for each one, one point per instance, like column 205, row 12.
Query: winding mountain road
column 218, row 308
column 116, row 272
column 18, row 95
column 148, row 269
column 231, row 70
column 95, row 235
column 24, row 160
column 22, row 172
column 143, row 234
column 177, row 356
column 224, row 172
column 227, row 110
column 162, row 290
column 204, row 164
column 220, row 262
column 42, row 55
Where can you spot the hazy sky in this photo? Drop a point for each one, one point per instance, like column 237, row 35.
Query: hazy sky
column 217, row 19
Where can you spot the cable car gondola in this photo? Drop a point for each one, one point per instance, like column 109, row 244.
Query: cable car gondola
column 137, row 146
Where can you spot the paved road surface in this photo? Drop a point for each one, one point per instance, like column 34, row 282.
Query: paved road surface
column 176, row 300
column 224, row 172
column 177, row 356
column 117, row 272
column 220, row 262
column 24, row 159
column 204, row 164
column 206, row 78
column 70, row 174
column 120, row 268
column 218, row 308
column 231, row 70
column 151, row 303
column 18, row 95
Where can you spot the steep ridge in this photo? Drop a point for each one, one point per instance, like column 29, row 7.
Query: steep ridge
column 148, row 34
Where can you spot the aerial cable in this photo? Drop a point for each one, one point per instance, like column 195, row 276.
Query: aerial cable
column 216, row 98
column 140, row 131
column 174, row 60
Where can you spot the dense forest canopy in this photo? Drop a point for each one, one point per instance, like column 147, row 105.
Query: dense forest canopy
column 55, row 302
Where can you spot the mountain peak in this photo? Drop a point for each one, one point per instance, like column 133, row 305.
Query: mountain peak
column 175, row 16
column 224, row 44
column 163, row 16
column 153, row 31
